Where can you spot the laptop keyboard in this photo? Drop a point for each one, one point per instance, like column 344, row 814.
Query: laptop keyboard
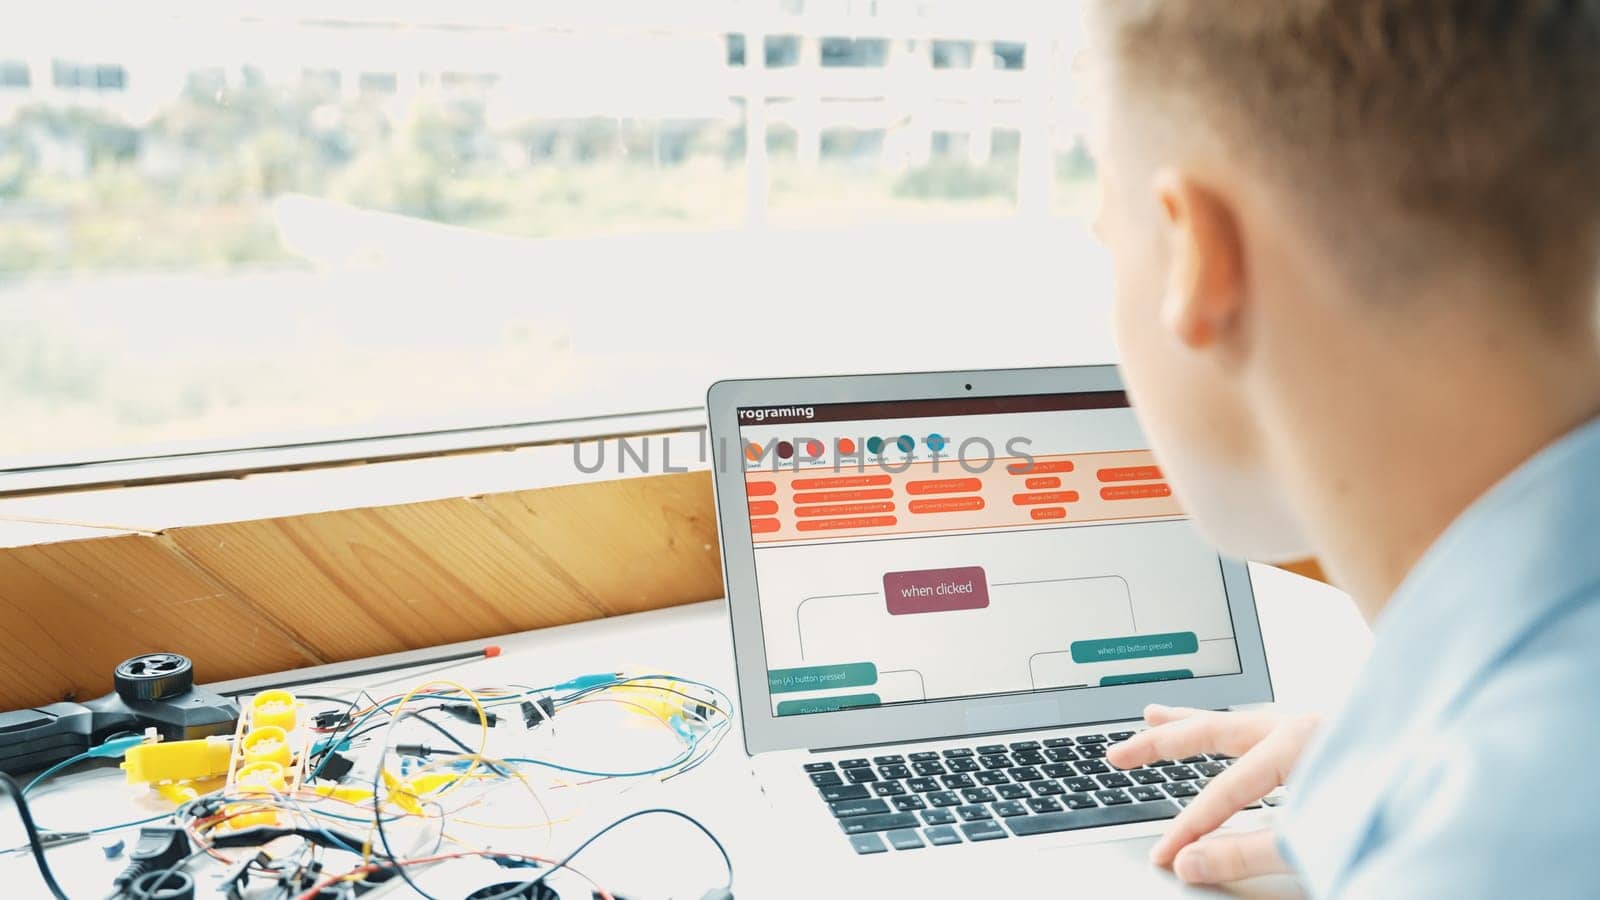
column 995, row 791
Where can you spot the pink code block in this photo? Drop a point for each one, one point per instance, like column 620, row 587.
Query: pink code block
column 935, row 590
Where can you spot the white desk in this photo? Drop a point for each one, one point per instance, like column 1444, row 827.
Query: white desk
column 1315, row 643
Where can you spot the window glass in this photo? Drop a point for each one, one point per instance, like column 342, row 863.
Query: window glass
column 319, row 220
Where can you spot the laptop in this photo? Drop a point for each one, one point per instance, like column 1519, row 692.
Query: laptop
column 950, row 593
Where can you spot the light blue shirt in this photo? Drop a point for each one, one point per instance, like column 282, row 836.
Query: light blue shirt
column 1464, row 762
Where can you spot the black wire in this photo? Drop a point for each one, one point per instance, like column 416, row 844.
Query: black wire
column 377, row 818
column 165, row 874
column 34, row 843
column 517, row 889
column 462, row 745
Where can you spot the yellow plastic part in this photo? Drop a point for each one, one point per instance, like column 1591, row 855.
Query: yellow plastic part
column 269, row 743
column 358, row 795
column 260, row 777
column 273, row 708
column 180, row 792
column 177, row 760
column 247, row 815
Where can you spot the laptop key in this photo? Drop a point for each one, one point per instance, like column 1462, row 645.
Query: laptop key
column 1047, row 788
column 884, row 822
column 1180, row 773
column 1092, row 767
column 1112, row 797
column 938, row 816
column 1058, row 742
column 941, row 835
column 1147, row 776
column 992, row 778
column 1079, row 801
column 1044, row 804
column 1012, row 792
column 1059, row 770
column 1028, row 758
column 957, row 752
column 977, row 795
column 1092, row 751
column 1060, row 754
column 1159, row 764
column 924, row 756
column 1080, row 785
column 928, row 767
column 888, row 788
column 1092, row 818
column 826, row 779
column 868, row 843
column 894, row 771
column 922, row 785
column 984, row 831
column 944, row 798
column 1178, row 789
column 908, row 804
column 956, row 782
column 1025, row 745
column 888, row 760
column 1091, row 739
column 1008, row 808
column 839, row 792
column 1191, row 760
column 1116, row 736
column 819, row 767
column 1024, row 773
column 962, row 764
column 995, row 761
column 991, row 749
column 1208, row 769
column 905, row 839
column 844, row 809
column 1145, row 793
column 972, row 813
column 1115, row 780
column 857, row 776
column 853, row 763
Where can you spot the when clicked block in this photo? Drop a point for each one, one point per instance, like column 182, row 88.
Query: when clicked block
column 936, row 590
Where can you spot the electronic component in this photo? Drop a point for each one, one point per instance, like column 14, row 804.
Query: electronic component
column 157, row 849
column 154, row 690
column 538, row 711
column 515, row 890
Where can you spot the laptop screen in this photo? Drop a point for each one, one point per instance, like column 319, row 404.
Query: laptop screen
column 926, row 550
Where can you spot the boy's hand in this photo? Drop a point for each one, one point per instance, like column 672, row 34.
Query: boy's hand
column 1266, row 745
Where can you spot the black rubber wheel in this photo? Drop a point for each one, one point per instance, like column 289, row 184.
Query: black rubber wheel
column 529, row 892
column 162, row 884
column 153, row 676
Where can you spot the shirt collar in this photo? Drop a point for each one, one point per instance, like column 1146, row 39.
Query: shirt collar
column 1517, row 556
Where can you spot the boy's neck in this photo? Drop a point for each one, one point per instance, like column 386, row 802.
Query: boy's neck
column 1424, row 432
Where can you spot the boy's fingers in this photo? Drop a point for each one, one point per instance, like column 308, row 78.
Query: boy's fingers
column 1253, row 776
column 1157, row 714
column 1195, row 732
column 1229, row 857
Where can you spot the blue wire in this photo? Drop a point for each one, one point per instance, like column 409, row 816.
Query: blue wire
column 66, row 763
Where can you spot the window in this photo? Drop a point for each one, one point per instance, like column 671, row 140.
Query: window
column 551, row 213
column 14, row 74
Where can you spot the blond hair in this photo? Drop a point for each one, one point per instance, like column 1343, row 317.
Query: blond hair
column 1477, row 121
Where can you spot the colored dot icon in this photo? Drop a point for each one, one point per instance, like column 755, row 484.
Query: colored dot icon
column 785, row 450
column 874, row 445
column 935, row 442
column 846, row 447
column 752, row 452
column 814, row 449
column 906, row 443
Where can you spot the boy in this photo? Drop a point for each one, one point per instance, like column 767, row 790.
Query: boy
column 1357, row 246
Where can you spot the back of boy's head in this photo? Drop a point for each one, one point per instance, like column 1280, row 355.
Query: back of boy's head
column 1420, row 131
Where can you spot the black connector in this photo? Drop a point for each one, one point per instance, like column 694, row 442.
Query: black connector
column 237, row 878
column 333, row 718
column 536, row 712
column 422, row 751
column 468, row 713
column 335, row 766
column 157, row 848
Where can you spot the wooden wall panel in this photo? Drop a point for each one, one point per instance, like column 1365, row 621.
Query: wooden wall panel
column 69, row 612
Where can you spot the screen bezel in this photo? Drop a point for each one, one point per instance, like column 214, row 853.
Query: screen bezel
column 765, row 731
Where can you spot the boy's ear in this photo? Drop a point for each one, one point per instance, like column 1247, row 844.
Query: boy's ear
column 1205, row 290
